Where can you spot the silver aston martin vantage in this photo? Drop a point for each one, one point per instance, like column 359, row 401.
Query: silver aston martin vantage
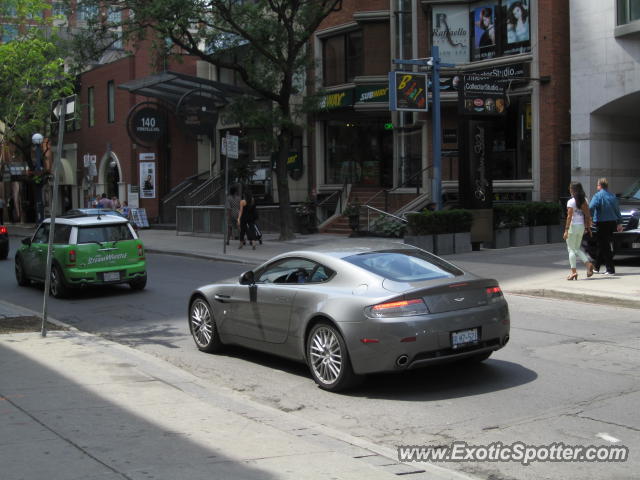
column 347, row 311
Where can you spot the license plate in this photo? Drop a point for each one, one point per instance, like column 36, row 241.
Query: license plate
column 464, row 337
column 111, row 276
column 635, row 245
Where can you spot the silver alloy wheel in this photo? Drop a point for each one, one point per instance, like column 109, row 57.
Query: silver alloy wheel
column 54, row 287
column 201, row 323
column 326, row 355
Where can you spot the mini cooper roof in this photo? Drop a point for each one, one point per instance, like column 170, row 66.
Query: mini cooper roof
column 86, row 220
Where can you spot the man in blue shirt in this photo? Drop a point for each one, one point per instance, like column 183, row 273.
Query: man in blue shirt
column 606, row 217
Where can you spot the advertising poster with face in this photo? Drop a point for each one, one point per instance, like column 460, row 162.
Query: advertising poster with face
column 147, row 179
column 483, row 17
column 516, row 26
column 450, row 29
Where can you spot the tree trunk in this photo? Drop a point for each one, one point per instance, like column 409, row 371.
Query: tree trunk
column 286, row 217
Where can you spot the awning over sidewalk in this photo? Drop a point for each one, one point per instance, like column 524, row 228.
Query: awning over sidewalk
column 171, row 87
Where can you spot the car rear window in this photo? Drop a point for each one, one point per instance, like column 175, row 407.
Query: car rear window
column 404, row 265
column 104, row 233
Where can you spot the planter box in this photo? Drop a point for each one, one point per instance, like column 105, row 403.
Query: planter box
column 538, row 235
column 425, row 242
column 519, row 236
column 501, row 238
column 443, row 244
column 462, row 242
column 554, row 233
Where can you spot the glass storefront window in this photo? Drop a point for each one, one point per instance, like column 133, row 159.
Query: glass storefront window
column 343, row 57
column 358, row 151
column 628, row 11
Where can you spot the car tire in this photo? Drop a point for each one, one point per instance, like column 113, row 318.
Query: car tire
column 328, row 359
column 57, row 287
column 139, row 283
column 21, row 276
column 203, row 326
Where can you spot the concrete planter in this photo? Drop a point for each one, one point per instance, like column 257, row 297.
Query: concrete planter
column 425, row 242
column 554, row 233
column 538, row 235
column 462, row 242
column 501, row 238
column 519, row 236
column 443, row 244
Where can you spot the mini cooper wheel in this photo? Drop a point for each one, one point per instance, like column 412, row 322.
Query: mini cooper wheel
column 21, row 276
column 203, row 326
column 57, row 287
column 328, row 358
column 139, row 283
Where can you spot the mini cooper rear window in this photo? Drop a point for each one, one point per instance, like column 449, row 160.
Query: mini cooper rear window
column 404, row 265
column 104, row 233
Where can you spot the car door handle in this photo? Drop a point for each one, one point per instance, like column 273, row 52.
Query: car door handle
column 221, row 298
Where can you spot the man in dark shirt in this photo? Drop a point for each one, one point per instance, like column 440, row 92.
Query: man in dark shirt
column 606, row 217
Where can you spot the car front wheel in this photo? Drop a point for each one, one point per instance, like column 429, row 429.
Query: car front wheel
column 328, row 359
column 21, row 276
column 203, row 326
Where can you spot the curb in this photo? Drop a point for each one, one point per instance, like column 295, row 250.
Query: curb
column 578, row 297
column 202, row 256
column 33, row 313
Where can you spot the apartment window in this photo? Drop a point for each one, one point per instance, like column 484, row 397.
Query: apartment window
column 8, row 33
column 343, row 58
column 87, row 12
column 59, row 9
column 91, row 108
column 111, row 102
column 628, row 11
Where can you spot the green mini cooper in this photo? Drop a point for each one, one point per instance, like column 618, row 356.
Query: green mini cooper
column 87, row 250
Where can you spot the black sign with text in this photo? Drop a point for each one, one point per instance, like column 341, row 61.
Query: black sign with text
column 476, row 182
column 481, row 95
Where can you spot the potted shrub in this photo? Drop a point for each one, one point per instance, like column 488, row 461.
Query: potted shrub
column 460, row 222
column 420, row 230
column 352, row 212
column 553, row 220
column 504, row 218
column 535, row 218
column 385, row 226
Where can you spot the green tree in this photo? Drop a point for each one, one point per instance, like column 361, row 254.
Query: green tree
column 263, row 41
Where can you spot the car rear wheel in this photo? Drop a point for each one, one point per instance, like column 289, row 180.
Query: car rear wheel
column 57, row 287
column 328, row 359
column 203, row 326
column 139, row 283
column 21, row 276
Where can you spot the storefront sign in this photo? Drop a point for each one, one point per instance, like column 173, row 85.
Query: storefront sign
column 372, row 93
column 341, row 99
column 147, row 179
column 147, row 125
column 408, row 91
column 481, row 96
column 511, row 72
column 515, row 24
column 451, row 32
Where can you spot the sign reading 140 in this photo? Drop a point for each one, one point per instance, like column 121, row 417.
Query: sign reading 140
column 148, row 124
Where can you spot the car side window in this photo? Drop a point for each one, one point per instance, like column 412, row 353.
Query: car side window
column 292, row 270
column 42, row 234
column 61, row 234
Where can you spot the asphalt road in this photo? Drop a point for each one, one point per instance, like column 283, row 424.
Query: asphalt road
column 569, row 374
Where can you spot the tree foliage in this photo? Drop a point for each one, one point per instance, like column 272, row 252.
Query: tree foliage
column 263, row 41
column 32, row 75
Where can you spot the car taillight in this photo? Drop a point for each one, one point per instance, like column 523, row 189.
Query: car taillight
column 72, row 256
column 494, row 294
column 140, row 250
column 3, row 230
column 401, row 308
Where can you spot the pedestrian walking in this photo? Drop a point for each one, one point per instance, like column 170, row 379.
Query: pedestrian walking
column 125, row 210
column 246, row 219
column 105, row 202
column 2, row 205
column 233, row 203
column 607, row 219
column 578, row 220
column 115, row 203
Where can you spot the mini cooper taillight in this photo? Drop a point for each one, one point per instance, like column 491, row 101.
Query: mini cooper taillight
column 401, row 308
column 3, row 230
column 72, row 257
column 140, row 250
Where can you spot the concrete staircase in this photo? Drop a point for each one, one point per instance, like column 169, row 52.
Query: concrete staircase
column 364, row 196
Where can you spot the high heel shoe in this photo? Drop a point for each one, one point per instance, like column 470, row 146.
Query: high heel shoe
column 573, row 276
column 589, row 269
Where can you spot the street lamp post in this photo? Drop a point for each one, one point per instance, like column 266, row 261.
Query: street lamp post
column 37, row 140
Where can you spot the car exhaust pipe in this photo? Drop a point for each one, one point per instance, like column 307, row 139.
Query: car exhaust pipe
column 402, row 361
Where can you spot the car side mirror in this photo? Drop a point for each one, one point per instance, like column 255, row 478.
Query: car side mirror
column 247, row 278
column 26, row 241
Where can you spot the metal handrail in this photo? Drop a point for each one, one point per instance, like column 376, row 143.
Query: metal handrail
column 386, row 192
column 377, row 210
column 182, row 186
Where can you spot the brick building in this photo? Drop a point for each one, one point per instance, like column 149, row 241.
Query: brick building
column 523, row 45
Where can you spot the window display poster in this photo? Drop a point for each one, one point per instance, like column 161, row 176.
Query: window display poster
column 516, row 26
column 450, row 30
column 147, row 179
column 483, row 17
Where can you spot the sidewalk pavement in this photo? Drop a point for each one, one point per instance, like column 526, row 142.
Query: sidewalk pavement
column 76, row 406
